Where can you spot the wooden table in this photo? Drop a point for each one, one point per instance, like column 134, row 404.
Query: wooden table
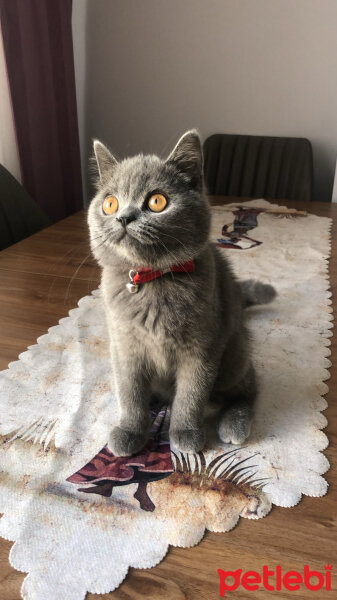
column 42, row 277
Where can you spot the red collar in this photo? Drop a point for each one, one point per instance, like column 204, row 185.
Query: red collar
column 145, row 275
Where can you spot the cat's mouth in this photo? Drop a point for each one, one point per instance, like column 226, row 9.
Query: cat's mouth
column 125, row 234
column 134, row 238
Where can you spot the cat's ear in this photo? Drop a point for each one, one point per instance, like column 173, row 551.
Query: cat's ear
column 187, row 157
column 105, row 161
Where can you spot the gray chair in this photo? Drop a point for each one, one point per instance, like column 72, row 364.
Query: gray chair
column 259, row 166
column 19, row 214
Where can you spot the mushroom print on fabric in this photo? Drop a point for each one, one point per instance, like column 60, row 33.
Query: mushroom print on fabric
column 154, row 462
column 208, row 480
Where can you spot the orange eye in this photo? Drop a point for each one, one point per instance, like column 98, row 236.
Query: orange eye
column 110, row 205
column 157, row 202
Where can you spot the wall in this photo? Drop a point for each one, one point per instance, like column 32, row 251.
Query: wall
column 79, row 26
column 154, row 68
column 9, row 156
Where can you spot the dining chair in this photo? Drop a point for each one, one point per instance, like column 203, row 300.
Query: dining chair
column 19, row 214
column 259, row 166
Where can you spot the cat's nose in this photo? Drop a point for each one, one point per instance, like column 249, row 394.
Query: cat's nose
column 127, row 218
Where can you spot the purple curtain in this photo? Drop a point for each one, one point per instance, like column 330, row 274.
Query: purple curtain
column 38, row 46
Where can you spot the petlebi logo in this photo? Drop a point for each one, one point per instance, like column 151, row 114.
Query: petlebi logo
column 275, row 580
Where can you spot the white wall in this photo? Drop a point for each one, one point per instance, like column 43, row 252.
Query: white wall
column 334, row 191
column 149, row 69
column 9, row 156
column 79, row 26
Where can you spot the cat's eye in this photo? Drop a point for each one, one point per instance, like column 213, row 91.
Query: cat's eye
column 110, row 205
column 157, row 202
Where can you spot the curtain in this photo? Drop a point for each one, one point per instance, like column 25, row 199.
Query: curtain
column 37, row 38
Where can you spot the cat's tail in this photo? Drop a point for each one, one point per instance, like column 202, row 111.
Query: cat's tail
column 255, row 292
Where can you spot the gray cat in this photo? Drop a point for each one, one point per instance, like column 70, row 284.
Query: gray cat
column 181, row 337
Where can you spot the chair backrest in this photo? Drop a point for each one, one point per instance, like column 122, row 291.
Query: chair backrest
column 259, row 166
column 19, row 215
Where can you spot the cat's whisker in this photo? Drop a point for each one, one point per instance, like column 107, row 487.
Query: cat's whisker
column 80, row 266
column 149, row 236
column 167, row 250
column 74, row 275
column 172, row 228
column 96, row 268
column 140, row 234
column 65, row 264
column 176, row 239
column 176, row 260
column 179, row 228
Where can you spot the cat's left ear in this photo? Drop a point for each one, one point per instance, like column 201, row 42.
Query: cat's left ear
column 187, row 157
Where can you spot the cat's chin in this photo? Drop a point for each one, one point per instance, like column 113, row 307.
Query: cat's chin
column 131, row 251
column 138, row 256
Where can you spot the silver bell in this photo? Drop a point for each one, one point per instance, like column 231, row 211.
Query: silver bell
column 132, row 288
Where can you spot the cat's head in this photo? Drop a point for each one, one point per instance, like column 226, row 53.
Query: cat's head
column 148, row 211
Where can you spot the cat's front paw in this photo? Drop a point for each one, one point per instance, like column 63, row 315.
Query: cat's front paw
column 188, row 440
column 124, row 443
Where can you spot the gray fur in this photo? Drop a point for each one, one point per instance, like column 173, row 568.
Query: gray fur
column 182, row 336
column 255, row 292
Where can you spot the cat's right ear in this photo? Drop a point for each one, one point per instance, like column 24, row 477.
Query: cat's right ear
column 105, row 161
